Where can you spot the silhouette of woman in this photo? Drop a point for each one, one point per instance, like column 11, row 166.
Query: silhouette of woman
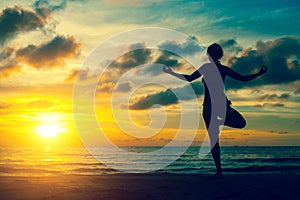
column 233, row 118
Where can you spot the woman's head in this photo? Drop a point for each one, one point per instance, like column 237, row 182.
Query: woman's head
column 215, row 51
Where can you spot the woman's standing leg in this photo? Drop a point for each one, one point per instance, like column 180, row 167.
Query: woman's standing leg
column 215, row 148
column 216, row 154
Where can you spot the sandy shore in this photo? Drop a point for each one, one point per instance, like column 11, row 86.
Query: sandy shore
column 152, row 186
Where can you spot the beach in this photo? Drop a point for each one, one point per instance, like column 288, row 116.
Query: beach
column 72, row 173
column 152, row 186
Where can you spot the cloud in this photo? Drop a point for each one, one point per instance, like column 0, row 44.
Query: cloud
column 49, row 54
column 269, row 105
column 8, row 70
column 272, row 97
column 230, row 47
column 188, row 47
column 168, row 97
column 109, row 87
column 46, row 55
column 138, row 55
column 164, row 58
column 124, row 87
column 277, row 55
column 6, row 53
column 279, row 132
column 280, row 56
column 295, row 86
column 82, row 74
column 106, row 87
column 44, row 7
column 8, row 64
column 16, row 19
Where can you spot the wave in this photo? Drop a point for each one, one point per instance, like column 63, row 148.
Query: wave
column 27, row 170
column 94, row 170
column 293, row 160
column 265, row 168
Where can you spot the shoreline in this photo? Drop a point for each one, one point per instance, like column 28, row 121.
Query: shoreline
column 152, row 186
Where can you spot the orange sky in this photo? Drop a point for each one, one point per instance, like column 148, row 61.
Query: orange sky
column 41, row 56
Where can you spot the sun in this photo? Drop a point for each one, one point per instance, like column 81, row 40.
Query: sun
column 48, row 131
column 51, row 125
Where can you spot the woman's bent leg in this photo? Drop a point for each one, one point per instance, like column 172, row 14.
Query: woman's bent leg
column 234, row 119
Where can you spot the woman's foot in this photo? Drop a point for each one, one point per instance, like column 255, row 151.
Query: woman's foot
column 218, row 174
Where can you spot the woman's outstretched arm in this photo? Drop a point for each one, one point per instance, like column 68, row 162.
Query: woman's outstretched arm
column 196, row 74
column 246, row 78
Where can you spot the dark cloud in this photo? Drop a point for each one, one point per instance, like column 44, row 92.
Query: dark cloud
column 258, row 106
column 230, row 48
column 82, row 74
column 138, row 55
column 46, row 55
column 169, row 59
column 280, row 56
column 273, row 105
column 295, row 86
column 49, row 54
column 16, row 19
column 8, row 63
column 269, row 105
column 9, row 69
column 44, row 7
column 6, row 53
column 168, row 97
column 164, row 58
column 124, row 87
column 279, row 132
column 106, row 87
column 188, row 47
column 284, row 96
column 272, row 97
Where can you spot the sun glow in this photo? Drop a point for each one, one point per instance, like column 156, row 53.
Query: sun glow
column 48, row 131
column 51, row 125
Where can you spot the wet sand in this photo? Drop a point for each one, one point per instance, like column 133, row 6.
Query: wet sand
column 152, row 186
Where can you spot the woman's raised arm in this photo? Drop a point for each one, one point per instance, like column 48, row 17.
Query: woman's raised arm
column 231, row 73
column 196, row 74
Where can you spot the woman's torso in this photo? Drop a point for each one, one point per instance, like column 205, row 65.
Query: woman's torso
column 223, row 72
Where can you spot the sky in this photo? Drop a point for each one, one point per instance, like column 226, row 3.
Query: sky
column 45, row 45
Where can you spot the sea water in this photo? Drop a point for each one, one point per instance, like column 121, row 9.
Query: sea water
column 45, row 161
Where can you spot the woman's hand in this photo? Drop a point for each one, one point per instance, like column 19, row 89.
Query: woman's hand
column 167, row 69
column 263, row 70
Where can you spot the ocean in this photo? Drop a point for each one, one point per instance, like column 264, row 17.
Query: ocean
column 47, row 161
